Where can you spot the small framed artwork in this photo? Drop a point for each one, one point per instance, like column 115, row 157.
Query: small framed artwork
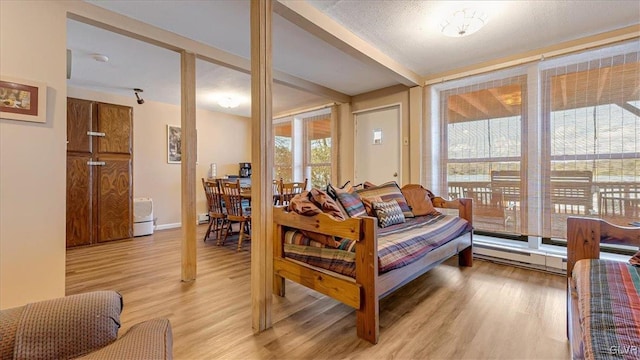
column 174, row 144
column 23, row 100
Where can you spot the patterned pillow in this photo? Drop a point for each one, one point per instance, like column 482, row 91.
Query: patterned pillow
column 419, row 200
column 388, row 191
column 388, row 213
column 635, row 260
column 352, row 204
column 367, row 201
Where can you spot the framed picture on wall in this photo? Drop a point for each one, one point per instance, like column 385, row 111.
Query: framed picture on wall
column 174, row 144
column 23, row 100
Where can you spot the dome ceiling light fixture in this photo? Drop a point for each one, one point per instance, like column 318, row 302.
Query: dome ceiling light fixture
column 100, row 57
column 228, row 102
column 463, row 22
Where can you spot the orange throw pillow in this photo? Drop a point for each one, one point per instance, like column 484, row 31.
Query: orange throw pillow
column 419, row 200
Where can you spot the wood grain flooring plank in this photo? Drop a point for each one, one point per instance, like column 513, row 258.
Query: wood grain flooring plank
column 490, row 311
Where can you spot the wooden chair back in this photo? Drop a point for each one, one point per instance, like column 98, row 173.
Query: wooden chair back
column 572, row 192
column 291, row 189
column 276, row 192
column 233, row 201
column 214, row 197
column 619, row 204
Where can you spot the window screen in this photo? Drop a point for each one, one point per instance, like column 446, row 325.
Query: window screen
column 592, row 136
column 483, row 150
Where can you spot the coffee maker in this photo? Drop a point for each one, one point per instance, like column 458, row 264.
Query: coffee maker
column 245, row 170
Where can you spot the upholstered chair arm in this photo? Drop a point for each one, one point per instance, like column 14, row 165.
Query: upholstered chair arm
column 68, row 327
column 151, row 339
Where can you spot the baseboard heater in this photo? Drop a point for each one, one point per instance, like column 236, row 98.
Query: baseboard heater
column 521, row 258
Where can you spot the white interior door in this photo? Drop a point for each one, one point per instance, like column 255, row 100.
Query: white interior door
column 377, row 148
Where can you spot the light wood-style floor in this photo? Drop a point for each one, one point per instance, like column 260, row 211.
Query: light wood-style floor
column 489, row 311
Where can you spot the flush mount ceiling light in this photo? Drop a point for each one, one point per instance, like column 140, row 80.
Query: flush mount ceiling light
column 463, row 22
column 228, row 102
column 100, row 57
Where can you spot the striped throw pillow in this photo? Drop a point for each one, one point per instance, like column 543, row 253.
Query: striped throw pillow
column 388, row 213
column 352, row 204
column 387, row 192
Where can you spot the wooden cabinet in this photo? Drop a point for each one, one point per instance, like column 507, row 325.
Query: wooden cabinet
column 99, row 172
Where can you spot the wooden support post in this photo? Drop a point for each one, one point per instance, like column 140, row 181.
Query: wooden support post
column 262, row 165
column 188, row 178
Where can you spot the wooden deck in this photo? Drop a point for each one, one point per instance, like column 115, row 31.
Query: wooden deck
column 488, row 311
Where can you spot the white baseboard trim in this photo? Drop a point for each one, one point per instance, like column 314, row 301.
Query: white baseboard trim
column 168, row 226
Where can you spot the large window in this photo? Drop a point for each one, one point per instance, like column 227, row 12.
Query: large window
column 318, row 150
column 483, row 147
column 536, row 144
column 283, row 151
column 303, row 148
column 593, row 126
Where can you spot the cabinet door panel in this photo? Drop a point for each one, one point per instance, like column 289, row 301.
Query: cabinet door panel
column 79, row 200
column 114, row 199
column 115, row 122
column 79, row 122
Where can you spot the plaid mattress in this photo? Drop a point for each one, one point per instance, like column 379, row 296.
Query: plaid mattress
column 609, row 308
column 398, row 245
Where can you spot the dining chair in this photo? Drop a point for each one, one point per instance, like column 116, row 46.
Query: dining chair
column 276, row 192
column 236, row 210
column 291, row 189
column 217, row 213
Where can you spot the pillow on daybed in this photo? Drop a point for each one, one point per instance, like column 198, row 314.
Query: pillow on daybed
column 388, row 213
column 388, row 191
column 419, row 199
column 367, row 201
column 350, row 201
column 326, row 204
column 635, row 259
column 314, row 202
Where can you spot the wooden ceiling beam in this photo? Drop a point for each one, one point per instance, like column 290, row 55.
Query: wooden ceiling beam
column 563, row 89
column 111, row 21
column 455, row 107
column 474, row 101
column 322, row 26
column 494, row 92
column 636, row 91
column 604, row 74
column 630, row 108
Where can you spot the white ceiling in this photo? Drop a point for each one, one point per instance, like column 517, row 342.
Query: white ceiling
column 406, row 31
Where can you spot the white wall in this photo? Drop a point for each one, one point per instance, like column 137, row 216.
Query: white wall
column 376, row 99
column 33, row 157
column 222, row 138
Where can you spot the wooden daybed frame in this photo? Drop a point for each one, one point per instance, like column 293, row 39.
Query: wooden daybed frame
column 584, row 236
column 364, row 293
